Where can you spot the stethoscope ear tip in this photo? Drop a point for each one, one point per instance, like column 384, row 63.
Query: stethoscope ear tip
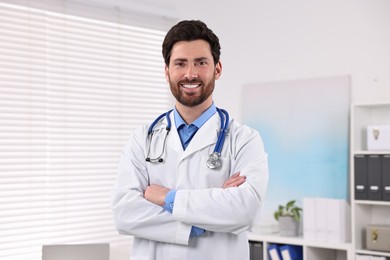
column 154, row 160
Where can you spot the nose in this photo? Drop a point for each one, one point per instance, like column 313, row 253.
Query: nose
column 191, row 73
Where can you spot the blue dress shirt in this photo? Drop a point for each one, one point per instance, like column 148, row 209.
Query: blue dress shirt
column 186, row 132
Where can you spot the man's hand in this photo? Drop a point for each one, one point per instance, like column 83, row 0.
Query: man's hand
column 156, row 194
column 234, row 181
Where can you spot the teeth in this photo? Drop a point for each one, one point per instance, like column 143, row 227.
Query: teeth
column 190, row 85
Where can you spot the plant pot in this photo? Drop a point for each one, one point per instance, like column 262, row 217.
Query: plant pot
column 288, row 226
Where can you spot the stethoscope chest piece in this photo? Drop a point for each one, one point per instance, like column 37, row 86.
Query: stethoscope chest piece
column 214, row 162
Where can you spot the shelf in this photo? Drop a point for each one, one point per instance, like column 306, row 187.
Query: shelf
column 275, row 238
column 366, row 212
column 370, row 252
column 372, row 105
column 363, row 115
column 373, row 202
column 365, row 152
column 300, row 241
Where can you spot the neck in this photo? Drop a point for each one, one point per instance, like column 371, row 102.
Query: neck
column 190, row 114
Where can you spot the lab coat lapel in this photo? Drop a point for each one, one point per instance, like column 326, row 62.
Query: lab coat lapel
column 205, row 136
column 174, row 140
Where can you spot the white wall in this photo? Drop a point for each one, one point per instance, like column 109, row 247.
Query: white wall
column 276, row 40
column 268, row 40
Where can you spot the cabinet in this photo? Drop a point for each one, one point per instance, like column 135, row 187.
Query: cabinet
column 365, row 211
column 312, row 250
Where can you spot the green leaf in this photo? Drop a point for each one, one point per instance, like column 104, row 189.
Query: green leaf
column 289, row 205
column 290, row 209
column 296, row 214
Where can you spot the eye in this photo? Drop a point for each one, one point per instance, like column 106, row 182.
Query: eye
column 201, row 63
column 179, row 64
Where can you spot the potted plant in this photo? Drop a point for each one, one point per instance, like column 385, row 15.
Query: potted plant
column 288, row 216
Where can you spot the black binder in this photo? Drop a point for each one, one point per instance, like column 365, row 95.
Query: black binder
column 256, row 250
column 374, row 177
column 361, row 177
column 386, row 177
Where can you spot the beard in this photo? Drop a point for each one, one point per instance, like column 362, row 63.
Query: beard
column 192, row 99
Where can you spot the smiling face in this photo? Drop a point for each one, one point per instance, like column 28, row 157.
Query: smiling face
column 191, row 73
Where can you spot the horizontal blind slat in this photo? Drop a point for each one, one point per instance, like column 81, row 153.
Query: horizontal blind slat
column 71, row 90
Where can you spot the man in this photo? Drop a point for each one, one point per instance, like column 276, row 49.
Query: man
column 166, row 196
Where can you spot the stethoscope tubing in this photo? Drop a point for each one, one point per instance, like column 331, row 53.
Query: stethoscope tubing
column 155, row 122
column 224, row 115
column 214, row 157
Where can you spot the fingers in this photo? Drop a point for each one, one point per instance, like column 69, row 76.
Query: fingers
column 234, row 181
column 156, row 194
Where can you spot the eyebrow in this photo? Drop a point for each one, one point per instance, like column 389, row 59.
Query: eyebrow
column 179, row 59
column 196, row 59
column 201, row 58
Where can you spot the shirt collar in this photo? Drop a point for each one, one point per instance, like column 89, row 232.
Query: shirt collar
column 179, row 121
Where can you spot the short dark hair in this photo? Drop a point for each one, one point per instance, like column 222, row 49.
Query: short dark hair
column 190, row 30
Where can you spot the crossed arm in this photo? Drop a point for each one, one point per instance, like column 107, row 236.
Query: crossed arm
column 156, row 193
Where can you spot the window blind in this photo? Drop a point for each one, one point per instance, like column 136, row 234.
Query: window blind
column 71, row 90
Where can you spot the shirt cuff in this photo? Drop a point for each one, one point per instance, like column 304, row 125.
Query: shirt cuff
column 196, row 231
column 169, row 201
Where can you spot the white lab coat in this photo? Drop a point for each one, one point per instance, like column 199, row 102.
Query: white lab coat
column 200, row 201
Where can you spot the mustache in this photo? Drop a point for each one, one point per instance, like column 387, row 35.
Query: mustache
column 186, row 81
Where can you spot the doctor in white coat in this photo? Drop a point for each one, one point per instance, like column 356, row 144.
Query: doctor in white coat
column 174, row 205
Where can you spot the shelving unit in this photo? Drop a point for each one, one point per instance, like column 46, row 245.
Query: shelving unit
column 312, row 250
column 365, row 212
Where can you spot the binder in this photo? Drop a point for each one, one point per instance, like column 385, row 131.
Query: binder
column 273, row 252
column 290, row 252
column 326, row 219
column 374, row 177
column 309, row 219
column 361, row 177
column 386, row 177
column 256, row 250
column 322, row 233
column 339, row 224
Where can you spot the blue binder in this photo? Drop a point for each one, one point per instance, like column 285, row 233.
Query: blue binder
column 290, row 252
column 273, row 252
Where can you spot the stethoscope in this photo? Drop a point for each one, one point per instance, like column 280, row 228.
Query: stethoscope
column 214, row 161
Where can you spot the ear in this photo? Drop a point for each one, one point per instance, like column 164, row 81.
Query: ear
column 166, row 73
column 218, row 70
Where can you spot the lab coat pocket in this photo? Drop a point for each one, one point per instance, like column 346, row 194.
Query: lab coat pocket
column 213, row 178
